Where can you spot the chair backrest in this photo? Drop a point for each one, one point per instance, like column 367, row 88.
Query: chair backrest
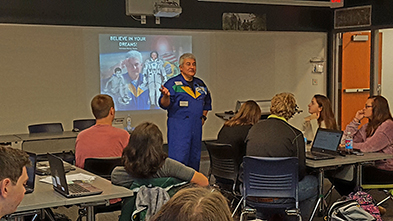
column 271, row 177
column 223, row 160
column 79, row 125
column 102, row 166
column 45, row 128
column 170, row 184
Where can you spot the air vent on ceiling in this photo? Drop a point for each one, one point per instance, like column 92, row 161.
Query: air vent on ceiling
column 352, row 17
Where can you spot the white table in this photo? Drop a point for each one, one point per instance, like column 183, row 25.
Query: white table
column 42, row 143
column 44, row 196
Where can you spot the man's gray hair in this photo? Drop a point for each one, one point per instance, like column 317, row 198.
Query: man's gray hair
column 134, row 54
column 186, row 56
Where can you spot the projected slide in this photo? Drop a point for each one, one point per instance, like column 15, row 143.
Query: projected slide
column 133, row 67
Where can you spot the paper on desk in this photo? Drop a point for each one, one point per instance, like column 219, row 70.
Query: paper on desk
column 72, row 177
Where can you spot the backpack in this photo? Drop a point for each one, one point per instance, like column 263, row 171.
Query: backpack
column 169, row 184
column 346, row 210
column 365, row 200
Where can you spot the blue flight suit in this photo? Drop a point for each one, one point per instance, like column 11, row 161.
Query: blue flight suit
column 138, row 93
column 184, row 119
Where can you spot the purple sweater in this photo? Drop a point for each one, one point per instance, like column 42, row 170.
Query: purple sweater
column 381, row 141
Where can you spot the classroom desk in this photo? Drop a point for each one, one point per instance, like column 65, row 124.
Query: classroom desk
column 11, row 140
column 44, row 196
column 227, row 116
column 323, row 165
column 42, row 143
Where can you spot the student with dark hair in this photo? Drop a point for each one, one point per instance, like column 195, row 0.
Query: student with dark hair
column 102, row 139
column 195, row 204
column 144, row 157
column 375, row 136
column 322, row 116
column 235, row 130
column 13, row 178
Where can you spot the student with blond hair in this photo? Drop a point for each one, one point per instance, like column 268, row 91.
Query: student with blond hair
column 275, row 137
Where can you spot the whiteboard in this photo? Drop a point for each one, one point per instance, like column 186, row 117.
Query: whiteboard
column 51, row 73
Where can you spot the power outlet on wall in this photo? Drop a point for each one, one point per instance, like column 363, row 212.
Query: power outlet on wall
column 143, row 19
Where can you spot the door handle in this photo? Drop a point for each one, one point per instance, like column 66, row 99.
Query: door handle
column 356, row 90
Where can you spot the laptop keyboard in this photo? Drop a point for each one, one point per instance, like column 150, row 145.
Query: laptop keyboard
column 75, row 188
column 320, row 154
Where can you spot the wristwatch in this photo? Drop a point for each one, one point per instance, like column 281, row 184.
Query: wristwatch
column 204, row 117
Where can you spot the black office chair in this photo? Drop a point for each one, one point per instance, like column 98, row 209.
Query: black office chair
column 79, row 125
column 224, row 163
column 169, row 184
column 46, row 128
column 102, row 166
column 267, row 180
column 51, row 128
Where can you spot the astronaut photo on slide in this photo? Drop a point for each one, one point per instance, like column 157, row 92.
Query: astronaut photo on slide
column 117, row 87
column 154, row 75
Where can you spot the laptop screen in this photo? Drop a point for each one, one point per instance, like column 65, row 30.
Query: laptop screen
column 31, row 172
column 58, row 175
column 327, row 139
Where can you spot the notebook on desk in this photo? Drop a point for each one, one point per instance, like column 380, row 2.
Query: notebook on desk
column 31, row 172
column 325, row 144
column 59, row 181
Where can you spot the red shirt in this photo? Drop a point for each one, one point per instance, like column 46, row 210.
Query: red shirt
column 100, row 141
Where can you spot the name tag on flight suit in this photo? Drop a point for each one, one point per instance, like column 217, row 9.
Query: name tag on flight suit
column 183, row 103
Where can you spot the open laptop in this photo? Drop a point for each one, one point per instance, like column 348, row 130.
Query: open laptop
column 325, row 144
column 31, row 172
column 43, row 168
column 59, row 181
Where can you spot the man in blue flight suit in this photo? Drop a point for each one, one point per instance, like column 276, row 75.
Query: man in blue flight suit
column 137, row 92
column 187, row 101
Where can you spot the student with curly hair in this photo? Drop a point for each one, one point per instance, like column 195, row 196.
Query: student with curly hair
column 275, row 137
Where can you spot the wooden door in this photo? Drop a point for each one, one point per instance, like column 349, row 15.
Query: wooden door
column 356, row 73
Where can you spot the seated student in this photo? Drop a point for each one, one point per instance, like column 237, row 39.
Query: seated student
column 195, row 204
column 13, row 178
column 102, row 139
column 275, row 137
column 321, row 116
column 235, row 130
column 144, row 157
column 375, row 136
